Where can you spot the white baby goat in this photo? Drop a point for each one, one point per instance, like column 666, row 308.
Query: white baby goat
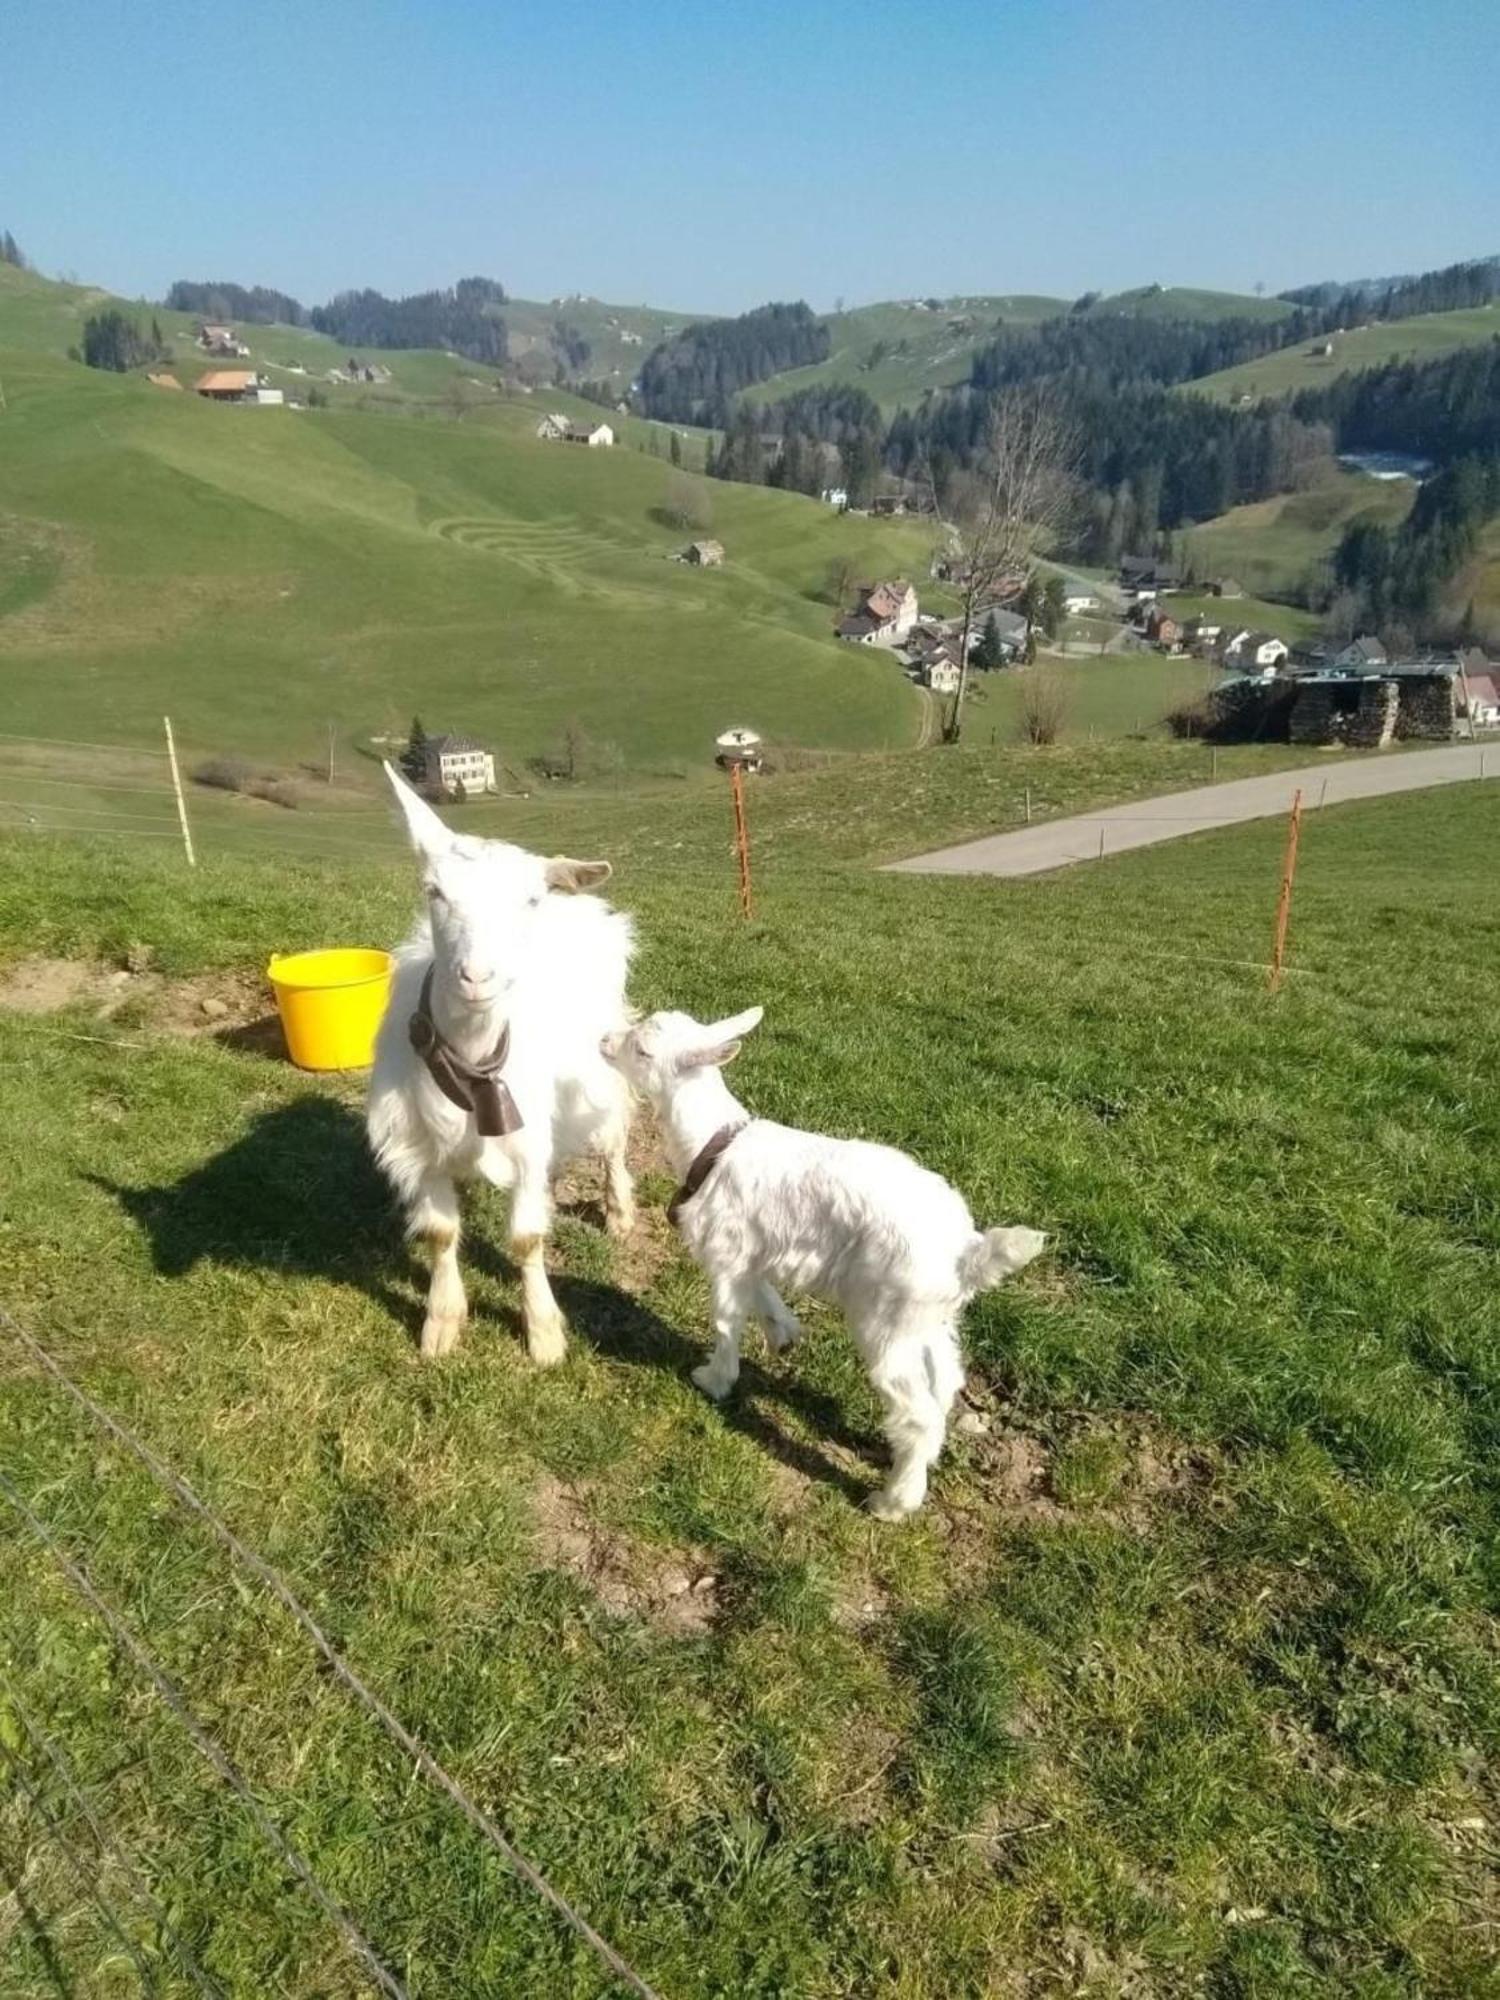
column 501, row 995
column 763, row 1205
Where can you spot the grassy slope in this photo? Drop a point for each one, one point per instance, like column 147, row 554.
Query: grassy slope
column 1184, row 1682
column 932, row 349
column 1189, row 302
column 262, row 572
column 530, row 322
column 1271, row 545
column 1423, row 338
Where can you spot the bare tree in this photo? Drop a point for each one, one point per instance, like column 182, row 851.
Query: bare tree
column 688, row 502
column 1016, row 498
column 1044, row 707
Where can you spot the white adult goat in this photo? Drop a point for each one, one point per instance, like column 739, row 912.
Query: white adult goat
column 488, row 1060
column 762, row 1205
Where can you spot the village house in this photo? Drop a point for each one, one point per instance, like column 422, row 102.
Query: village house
column 890, row 504
column 215, row 339
column 1162, row 629
column 238, row 385
column 1254, row 653
column 887, row 611
column 1352, row 656
column 1143, row 578
column 941, row 674
column 703, row 555
column 1479, row 699
column 1012, row 630
column 456, row 766
column 1201, row 632
column 561, row 429
column 1225, row 586
column 1079, row 596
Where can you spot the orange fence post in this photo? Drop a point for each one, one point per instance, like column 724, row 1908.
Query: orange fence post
column 1284, row 900
column 741, row 837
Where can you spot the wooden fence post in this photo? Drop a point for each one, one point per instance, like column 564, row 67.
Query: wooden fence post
column 1284, row 900
column 741, row 836
column 182, row 818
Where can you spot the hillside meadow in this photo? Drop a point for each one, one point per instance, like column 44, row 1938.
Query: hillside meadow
column 1184, row 1682
column 1424, row 337
column 259, row 573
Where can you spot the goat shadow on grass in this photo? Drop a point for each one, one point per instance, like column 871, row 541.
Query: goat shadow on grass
column 298, row 1193
column 621, row 1327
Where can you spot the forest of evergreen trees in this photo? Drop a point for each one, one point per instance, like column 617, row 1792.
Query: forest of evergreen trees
column 113, row 340
column 222, row 301
column 1399, row 577
column 694, row 377
column 1449, row 290
column 1440, row 409
column 461, row 319
column 1115, row 349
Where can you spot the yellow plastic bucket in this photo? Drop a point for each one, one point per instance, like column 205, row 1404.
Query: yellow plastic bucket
column 330, row 1004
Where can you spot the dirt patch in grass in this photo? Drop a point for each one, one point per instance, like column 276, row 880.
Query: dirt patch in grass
column 675, row 1592
column 231, row 1006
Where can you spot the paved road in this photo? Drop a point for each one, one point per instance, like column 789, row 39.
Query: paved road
column 1032, row 850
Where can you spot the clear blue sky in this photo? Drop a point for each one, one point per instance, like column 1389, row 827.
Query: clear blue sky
column 717, row 153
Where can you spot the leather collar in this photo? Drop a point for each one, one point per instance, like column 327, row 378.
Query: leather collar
column 476, row 1087
column 703, row 1165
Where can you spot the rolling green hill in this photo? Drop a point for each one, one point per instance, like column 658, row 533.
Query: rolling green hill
column 899, row 350
column 1187, row 302
column 1423, row 338
column 1271, row 545
column 261, row 571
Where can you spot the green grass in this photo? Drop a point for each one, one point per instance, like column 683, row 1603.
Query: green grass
column 928, row 349
column 1185, row 1681
column 1274, row 546
column 1425, row 337
column 259, row 573
column 1188, row 302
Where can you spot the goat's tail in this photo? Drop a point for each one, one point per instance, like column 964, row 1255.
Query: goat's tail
column 986, row 1259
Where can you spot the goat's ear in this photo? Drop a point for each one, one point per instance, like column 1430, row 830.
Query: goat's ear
column 573, row 877
column 428, row 834
column 709, row 1056
column 721, row 1042
column 735, row 1025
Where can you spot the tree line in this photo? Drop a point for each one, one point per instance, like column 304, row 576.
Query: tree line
column 221, row 301
column 114, row 341
column 1399, row 575
column 11, row 251
column 694, row 377
column 1451, row 289
column 1441, row 409
column 462, row 319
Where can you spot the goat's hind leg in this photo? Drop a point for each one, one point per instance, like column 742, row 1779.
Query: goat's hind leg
column 434, row 1217
column 619, row 1188
column 782, row 1327
column 917, row 1378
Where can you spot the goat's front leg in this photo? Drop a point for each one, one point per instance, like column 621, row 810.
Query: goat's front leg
column 435, row 1218
column 732, row 1300
column 619, row 1189
column 530, row 1219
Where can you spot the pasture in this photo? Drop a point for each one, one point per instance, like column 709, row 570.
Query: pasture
column 1424, row 337
column 1185, row 1681
column 260, row 573
column 1275, row 546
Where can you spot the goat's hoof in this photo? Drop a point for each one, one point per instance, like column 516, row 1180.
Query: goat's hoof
column 783, row 1337
column 620, row 1223
column 547, row 1345
column 440, row 1337
column 712, row 1383
column 888, row 1506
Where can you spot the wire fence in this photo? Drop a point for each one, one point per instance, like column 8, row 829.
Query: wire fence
column 173, row 1484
